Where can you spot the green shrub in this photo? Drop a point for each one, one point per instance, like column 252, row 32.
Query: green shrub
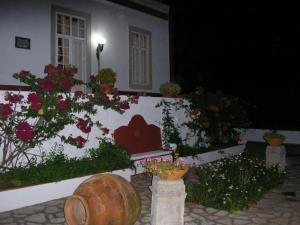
column 169, row 89
column 106, row 76
column 233, row 183
column 57, row 166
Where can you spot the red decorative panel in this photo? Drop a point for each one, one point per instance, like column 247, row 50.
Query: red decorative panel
column 138, row 136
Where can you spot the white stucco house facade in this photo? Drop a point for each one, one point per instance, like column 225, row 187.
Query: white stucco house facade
column 35, row 33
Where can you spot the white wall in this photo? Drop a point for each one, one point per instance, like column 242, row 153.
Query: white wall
column 111, row 120
column 32, row 19
column 256, row 135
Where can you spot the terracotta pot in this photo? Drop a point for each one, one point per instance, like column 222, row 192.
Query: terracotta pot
column 106, row 88
column 275, row 141
column 103, row 199
column 177, row 174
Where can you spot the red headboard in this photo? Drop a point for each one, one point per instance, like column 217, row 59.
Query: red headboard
column 138, row 136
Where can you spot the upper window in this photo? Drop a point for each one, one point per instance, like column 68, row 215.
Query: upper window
column 140, row 76
column 70, row 41
column 70, row 45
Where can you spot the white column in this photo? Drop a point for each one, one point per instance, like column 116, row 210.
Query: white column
column 167, row 206
column 276, row 155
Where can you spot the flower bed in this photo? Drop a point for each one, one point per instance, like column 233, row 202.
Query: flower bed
column 48, row 174
column 233, row 183
column 21, row 197
column 213, row 155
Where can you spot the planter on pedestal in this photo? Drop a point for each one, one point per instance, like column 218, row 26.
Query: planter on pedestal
column 167, row 205
column 275, row 155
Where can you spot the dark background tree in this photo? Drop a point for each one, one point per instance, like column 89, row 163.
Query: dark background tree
column 251, row 51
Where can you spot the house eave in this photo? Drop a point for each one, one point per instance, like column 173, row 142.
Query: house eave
column 150, row 7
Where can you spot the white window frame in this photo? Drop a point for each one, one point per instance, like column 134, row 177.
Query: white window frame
column 140, row 75
column 71, row 38
column 86, row 40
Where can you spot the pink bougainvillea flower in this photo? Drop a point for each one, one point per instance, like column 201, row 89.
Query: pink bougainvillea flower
column 124, row 105
column 46, row 84
column 50, row 69
column 62, row 104
column 24, row 131
column 13, row 98
column 84, row 126
column 24, row 73
column 78, row 93
column 105, row 131
column 35, row 101
column 67, row 84
column 5, row 111
column 60, row 97
column 80, row 141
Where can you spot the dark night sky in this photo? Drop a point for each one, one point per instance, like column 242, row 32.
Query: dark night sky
column 251, row 51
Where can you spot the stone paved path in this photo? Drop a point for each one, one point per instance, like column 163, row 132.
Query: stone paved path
column 280, row 206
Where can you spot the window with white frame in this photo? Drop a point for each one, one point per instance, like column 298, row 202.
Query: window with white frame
column 140, row 76
column 70, row 40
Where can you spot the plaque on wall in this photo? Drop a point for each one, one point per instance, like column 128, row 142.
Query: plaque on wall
column 21, row 42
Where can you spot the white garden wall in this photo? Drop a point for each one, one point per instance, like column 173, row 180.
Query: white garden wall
column 112, row 120
column 256, row 135
column 32, row 19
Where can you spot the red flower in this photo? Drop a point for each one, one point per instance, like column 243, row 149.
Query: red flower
column 124, row 105
column 60, row 97
column 24, row 131
column 134, row 100
column 80, row 141
column 46, row 84
column 105, row 131
column 83, row 125
column 5, row 111
column 13, row 98
column 63, row 104
column 67, row 84
column 50, row 69
column 35, row 101
column 78, row 93
column 24, row 73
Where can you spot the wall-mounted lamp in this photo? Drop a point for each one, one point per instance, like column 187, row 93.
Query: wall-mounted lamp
column 100, row 42
column 99, row 50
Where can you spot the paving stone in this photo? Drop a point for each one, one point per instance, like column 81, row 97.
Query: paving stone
column 225, row 221
column 240, row 222
column 57, row 220
column 8, row 223
column 264, row 213
column 38, row 218
column 221, row 213
column 5, row 215
column 52, row 209
column 7, row 220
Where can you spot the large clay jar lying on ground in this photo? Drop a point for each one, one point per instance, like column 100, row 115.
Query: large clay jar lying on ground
column 104, row 199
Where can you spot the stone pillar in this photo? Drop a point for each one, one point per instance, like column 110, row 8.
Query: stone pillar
column 276, row 155
column 167, row 205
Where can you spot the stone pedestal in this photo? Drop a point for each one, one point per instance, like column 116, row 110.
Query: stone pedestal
column 276, row 155
column 167, row 205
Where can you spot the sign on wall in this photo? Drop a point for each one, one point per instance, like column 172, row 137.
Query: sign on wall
column 21, row 42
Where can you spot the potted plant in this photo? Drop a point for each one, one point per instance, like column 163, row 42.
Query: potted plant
column 106, row 79
column 165, row 168
column 273, row 138
column 170, row 89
